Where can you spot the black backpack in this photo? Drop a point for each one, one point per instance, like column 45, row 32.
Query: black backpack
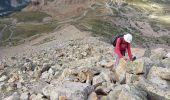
column 114, row 39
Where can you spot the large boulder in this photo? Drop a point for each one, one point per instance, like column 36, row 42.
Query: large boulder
column 148, row 65
column 158, row 54
column 37, row 86
column 1, row 66
column 66, row 74
column 71, row 90
column 166, row 62
column 159, row 76
column 3, row 78
column 106, row 64
column 24, row 96
column 131, row 78
column 14, row 96
column 154, row 92
column 135, row 67
column 92, row 96
column 81, row 74
column 98, row 79
column 36, row 97
column 168, row 55
column 138, row 52
column 105, row 76
column 165, row 76
column 127, row 92
column 121, row 71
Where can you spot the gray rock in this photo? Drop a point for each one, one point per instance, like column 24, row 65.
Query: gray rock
column 14, row 96
column 72, row 90
column 1, row 67
column 138, row 52
column 165, row 76
column 158, row 54
column 3, row 78
column 120, row 73
column 92, row 96
column 37, row 97
column 24, row 96
column 166, row 62
column 45, row 67
column 148, row 65
column 69, row 75
column 127, row 92
column 168, row 55
column 155, row 75
column 45, row 75
column 19, row 85
column 131, row 78
column 37, row 86
column 98, row 79
column 106, row 64
column 2, row 84
column 136, row 67
column 51, row 71
column 154, row 92
column 29, row 66
column 47, row 19
column 104, row 76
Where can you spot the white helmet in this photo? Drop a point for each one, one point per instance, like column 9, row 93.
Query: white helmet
column 128, row 38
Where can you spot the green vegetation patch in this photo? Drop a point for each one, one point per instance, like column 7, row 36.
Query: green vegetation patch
column 22, row 31
column 27, row 30
column 104, row 28
column 29, row 16
column 99, row 27
column 150, row 41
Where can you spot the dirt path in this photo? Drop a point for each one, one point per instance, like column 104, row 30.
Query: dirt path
column 1, row 32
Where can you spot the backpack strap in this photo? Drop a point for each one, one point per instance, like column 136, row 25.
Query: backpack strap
column 121, row 40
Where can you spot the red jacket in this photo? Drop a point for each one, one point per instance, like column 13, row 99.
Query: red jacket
column 121, row 47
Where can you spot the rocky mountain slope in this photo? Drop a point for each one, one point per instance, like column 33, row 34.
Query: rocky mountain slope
column 63, row 51
column 77, row 67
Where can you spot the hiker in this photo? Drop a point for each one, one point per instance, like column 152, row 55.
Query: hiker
column 122, row 44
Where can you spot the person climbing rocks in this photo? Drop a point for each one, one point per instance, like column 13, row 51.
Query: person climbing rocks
column 122, row 44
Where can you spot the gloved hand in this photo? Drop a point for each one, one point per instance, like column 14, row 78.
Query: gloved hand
column 134, row 58
column 125, row 58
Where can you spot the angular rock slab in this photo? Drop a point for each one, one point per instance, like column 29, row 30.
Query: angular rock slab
column 127, row 92
column 165, row 76
column 154, row 92
column 131, row 78
column 71, row 90
column 121, row 71
column 158, row 54
column 136, row 67
column 166, row 62
column 138, row 52
column 159, row 76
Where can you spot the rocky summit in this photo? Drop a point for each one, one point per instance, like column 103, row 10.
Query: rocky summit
column 61, row 50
